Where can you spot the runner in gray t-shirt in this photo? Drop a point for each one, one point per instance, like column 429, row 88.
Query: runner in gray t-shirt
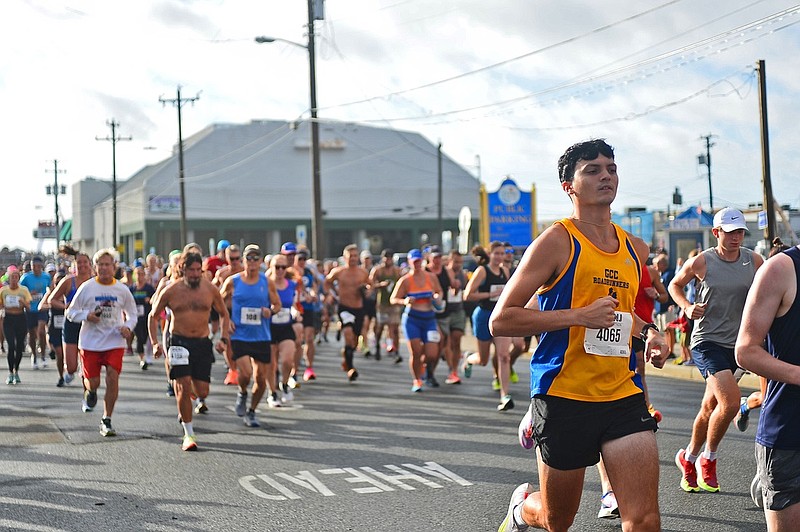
column 723, row 274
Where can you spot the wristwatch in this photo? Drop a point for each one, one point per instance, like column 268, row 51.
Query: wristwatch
column 647, row 327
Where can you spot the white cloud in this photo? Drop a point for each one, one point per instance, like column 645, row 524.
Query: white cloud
column 66, row 70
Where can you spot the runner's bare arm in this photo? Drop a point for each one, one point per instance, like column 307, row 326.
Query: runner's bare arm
column 159, row 304
column 693, row 268
column 225, row 323
column 398, row 296
column 471, row 291
column 772, row 293
column 544, row 259
column 274, row 299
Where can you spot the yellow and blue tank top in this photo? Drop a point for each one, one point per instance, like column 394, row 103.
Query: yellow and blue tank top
column 593, row 365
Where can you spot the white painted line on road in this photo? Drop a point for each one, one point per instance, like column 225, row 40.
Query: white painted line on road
column 376, row 483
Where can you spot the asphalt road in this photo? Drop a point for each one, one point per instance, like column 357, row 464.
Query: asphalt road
column 363, row 456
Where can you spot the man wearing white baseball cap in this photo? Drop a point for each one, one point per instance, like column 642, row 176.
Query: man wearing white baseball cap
column 723, row 275
column 729, row 220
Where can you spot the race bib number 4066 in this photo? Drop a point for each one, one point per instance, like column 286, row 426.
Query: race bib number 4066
column 610, row 341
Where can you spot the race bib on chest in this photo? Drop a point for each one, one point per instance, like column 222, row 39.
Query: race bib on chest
column 495, row 290
column 611, row 341
column 178, row 355
column 11, row 301
column 36, row 296
column 140, row 310
column 283, row 317
column 58, row 321
column 250, row 316
column 107, row 313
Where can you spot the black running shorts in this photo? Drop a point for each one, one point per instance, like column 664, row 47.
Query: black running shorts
column 570, row 433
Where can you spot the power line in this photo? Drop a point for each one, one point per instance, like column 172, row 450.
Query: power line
column 507, row 61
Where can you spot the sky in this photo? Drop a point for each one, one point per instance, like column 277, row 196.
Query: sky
column 506, row 86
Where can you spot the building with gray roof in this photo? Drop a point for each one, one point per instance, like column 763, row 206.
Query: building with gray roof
column 252, row 183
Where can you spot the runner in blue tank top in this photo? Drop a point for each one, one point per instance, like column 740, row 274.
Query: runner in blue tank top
column 772, row 311
column 254, row 301
column 283, row 332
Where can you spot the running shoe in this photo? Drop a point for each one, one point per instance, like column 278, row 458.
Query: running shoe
column 431, row 381
column 17, row 380
column 144, row 365
column 189, row 443
column 231, row 378
column 416, row 386
column 44, row 362
column 513, row 376
column 688, row 471
column 309, row 375
column 85, row 407
column 105, row 427
column 525, row 429
column 742, row 419
column 68, row 378
column 352, row 374
column 241, row 404
column 293, row 383
column 398, row 359
column 377, row 353
column 250, row 419
column 201, row 408
column 60, row 383
column 273, row 401
column 756, row 493
column 287, row 396
column 34, row 364
column 90, row 396
column 170, row 389
column 466, row 368
column 609, row 509
column 708, row 474
column 52, row 355
column 452, row 379
column 496, row 384
column 506, row 403
column 517, row 497
column 10, row 379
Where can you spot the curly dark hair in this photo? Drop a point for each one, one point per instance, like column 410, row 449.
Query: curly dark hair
column 582, row 151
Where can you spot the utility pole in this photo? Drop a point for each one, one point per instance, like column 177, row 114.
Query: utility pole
column 766, row 179
column 706, row 160
column 178, row 102
column 439, row 191
column 113, row 138
column 317, row 230
column 54, row 190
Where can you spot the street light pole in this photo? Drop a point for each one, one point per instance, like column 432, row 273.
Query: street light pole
column 317, row 230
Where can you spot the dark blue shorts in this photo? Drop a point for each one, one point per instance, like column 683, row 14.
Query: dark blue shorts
column 71, row 332
column 33, row 318
column 711, row 358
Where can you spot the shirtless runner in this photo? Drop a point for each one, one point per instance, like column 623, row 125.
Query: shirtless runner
column 189, row 351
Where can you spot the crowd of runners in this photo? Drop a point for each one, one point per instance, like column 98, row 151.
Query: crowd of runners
column 262, row 315
column 597, row 299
